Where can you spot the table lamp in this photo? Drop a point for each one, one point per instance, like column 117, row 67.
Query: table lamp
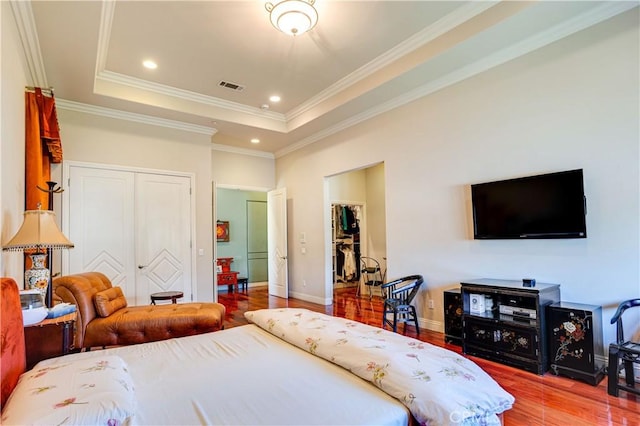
column 38, row 232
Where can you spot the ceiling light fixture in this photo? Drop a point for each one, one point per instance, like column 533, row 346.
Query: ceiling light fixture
column 150, row 64
column 255, row 140
column 274, row 98
column 293, row 17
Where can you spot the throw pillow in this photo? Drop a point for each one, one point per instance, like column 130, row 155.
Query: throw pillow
column 91, row 391
column 108, row 301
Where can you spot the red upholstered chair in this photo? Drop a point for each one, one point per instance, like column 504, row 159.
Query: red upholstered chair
column 13, row 361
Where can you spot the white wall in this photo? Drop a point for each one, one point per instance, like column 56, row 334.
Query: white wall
column 14, row 77
column 573, row 104
column 232, row 170
column 95, row 139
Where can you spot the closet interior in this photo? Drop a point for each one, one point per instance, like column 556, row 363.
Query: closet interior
column 346, row 244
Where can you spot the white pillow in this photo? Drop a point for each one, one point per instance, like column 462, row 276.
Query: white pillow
column 93, row 391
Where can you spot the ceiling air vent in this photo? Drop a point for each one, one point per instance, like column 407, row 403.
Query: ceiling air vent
column 232, row 86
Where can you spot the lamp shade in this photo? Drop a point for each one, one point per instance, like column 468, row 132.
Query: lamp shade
column 38, row 231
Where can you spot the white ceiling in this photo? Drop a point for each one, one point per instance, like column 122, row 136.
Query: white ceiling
column 361, row 59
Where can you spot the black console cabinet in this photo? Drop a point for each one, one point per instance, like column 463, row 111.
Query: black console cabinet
column 453, row 317
column 575, row 334
column 504, row 321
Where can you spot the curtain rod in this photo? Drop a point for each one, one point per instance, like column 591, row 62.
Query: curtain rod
column 48, row 90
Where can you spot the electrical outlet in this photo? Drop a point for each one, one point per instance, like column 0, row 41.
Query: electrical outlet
column 431, row 305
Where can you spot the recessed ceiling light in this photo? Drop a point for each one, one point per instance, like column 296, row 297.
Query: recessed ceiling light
column 150, row 64
column 274, row 98
column 255, row 140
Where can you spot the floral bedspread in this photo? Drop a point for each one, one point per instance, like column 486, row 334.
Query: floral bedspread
column 438, row 386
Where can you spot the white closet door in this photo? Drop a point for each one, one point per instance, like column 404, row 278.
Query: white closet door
column 101, row 225
column 132, row 226
column 163, row 222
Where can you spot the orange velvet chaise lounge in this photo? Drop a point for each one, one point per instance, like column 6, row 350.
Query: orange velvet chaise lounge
column 104, row 319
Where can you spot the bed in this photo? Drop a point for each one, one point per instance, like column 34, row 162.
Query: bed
column 287, row 367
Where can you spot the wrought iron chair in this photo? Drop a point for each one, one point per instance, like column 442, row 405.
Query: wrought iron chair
column 370, row 273
column 622, row 354
column 398, row 296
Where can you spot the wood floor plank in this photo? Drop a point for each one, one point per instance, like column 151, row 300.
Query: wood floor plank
column 540, row 400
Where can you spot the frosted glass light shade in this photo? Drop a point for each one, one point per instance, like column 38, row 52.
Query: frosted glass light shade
column 293, row 17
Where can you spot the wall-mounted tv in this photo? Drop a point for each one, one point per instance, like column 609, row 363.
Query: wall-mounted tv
column 551, row 205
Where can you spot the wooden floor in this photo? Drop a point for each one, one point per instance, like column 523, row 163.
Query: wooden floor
column 540, row 400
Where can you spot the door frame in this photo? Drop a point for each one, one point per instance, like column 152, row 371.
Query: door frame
column 364, row 246
column 214, row 219
column 65, row 216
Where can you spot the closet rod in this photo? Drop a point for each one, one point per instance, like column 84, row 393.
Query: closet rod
column 45, row 90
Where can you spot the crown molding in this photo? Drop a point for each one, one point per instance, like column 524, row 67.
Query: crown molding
column 23, row 16
column 104, row 34
column 433, row 31
column 560, row 31
column 281, row 121
column 241, row 151
column 137, row 118
column 138, row 83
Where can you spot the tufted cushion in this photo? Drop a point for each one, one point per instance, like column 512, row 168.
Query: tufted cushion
column 108, row 301
column 139, row 324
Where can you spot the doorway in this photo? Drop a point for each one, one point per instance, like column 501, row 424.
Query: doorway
column 363, row 189
column 245, row 215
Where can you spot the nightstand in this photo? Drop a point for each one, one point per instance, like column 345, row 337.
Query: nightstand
column 49, row 338
column 229, row 279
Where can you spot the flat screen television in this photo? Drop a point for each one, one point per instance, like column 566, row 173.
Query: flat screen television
column 551, row 205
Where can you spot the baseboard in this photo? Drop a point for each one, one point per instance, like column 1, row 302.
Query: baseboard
column 312, row 299
column 432, row 325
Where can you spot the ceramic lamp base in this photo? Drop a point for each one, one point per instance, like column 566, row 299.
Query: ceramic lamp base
column 38, row 276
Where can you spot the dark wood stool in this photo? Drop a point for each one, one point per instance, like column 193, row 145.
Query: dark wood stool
column 243, row 283
column 166, row 295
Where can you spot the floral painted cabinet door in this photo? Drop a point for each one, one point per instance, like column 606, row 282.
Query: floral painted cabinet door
column 575, row 331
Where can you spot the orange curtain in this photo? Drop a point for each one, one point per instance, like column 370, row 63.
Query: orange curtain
column 42, row 147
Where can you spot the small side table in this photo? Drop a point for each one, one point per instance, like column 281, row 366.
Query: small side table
column 49, row 338
column 229, row 279
column 166, row 295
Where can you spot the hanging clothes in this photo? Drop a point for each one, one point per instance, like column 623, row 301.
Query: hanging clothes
column 349, row 220
column 349, row 268
column 339, row 263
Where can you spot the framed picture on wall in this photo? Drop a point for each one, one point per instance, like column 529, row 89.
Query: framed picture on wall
column 222, row 231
